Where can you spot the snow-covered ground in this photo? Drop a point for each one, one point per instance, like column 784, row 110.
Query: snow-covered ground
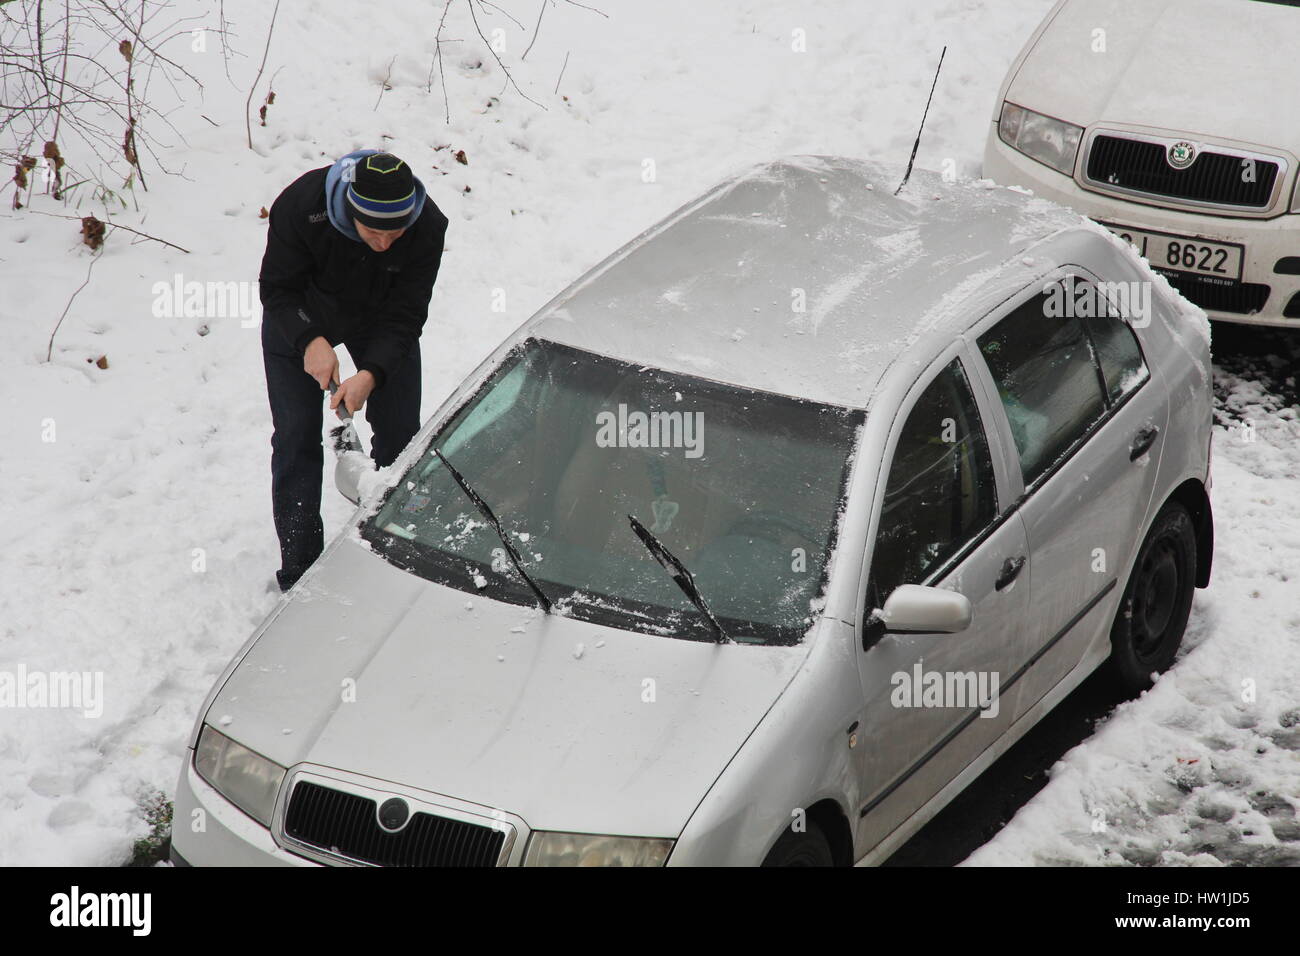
column 138, row 542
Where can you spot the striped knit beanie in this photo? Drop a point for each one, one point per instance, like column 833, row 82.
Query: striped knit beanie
column 381, row 194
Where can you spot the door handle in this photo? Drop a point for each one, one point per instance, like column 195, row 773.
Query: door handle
column 1143, row 440
column 1010, row 571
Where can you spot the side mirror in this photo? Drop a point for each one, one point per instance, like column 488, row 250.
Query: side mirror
column 914, row 609
column 348, row 470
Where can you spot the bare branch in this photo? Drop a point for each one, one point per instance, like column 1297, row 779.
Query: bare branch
column 146, row 44
column 563, row 67
column 574, row 3
column 248, row 123
column 49, row 351
column 145, row 235
column 437, row 43
column 536, row 30
column 504, row 12
column 509, row 78
column 63, row 77
column 384, row 84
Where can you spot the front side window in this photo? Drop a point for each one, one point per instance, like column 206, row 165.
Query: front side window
column 742, row 486
column 941, row 490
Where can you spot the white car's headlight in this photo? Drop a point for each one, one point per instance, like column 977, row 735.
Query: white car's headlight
column 1040, row 137
column 246, row 779
column 1295, row 196
column 550, row 848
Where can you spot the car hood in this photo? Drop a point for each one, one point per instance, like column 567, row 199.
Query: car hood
column 1218, row 68
column 570, row 725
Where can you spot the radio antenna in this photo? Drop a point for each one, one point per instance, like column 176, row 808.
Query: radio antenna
column 917, row 144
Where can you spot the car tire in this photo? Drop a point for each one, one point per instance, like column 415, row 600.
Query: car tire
column 809, row 848
column 1153, row 612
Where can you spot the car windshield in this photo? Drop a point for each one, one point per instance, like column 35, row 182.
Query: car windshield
column 742, row 486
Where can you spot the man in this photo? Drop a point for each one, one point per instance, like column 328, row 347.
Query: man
column 351, row 258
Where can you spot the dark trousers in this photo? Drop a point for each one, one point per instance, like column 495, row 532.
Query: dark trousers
column 297, row 455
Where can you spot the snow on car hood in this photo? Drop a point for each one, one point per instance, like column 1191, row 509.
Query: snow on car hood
column 571, row 725
column 1218, row 68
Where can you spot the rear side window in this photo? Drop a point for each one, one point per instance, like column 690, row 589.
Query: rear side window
column 941, row 491
column 1118, row 355
column 1047, row 380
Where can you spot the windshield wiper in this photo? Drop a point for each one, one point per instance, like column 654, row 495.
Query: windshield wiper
column 486, row 512
column 668, row 561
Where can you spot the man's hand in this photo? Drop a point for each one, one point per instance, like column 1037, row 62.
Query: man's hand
column 354, row 392
column 320, row 362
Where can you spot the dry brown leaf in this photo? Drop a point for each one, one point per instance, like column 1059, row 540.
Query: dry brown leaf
column 92, row 232
column 128, row 143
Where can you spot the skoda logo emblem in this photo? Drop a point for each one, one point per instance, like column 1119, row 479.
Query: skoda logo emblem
column 393, row 814
column 1181, row 155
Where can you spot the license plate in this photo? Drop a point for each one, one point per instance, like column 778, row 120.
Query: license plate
column 1221, row 260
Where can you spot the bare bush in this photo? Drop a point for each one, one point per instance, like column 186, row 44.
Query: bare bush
column 75, row 104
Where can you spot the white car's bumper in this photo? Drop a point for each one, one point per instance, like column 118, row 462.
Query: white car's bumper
column 1266, row 242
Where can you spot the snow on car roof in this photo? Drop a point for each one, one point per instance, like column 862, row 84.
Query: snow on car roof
column 804, row 276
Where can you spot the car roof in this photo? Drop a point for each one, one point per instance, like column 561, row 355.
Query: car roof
column 805, row 276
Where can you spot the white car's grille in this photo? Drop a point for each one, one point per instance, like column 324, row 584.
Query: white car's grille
column 342, row 826
column 1212, row 177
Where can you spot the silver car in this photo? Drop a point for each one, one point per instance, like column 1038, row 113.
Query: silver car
column 754, row 546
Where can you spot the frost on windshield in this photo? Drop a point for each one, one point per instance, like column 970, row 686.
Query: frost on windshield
column 742, row 487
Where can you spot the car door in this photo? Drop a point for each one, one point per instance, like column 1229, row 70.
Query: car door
column 1086, row 423
column 943, row 519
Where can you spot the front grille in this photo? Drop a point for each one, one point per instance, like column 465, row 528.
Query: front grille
column 344, row 824
column 1211, row 178
column 1217, row 295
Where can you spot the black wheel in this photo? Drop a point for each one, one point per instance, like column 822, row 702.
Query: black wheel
column 809, row 848
column 1153, row 612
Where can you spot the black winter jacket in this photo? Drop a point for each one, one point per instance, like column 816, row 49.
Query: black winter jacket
column 317, row 281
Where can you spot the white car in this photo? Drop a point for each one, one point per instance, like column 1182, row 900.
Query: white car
column 1176, row 123
column 670, row 578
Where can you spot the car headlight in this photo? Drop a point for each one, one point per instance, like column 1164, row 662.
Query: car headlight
column 1040, row 137
column 1295, row 196
column 551, row 848
column 246, row 779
